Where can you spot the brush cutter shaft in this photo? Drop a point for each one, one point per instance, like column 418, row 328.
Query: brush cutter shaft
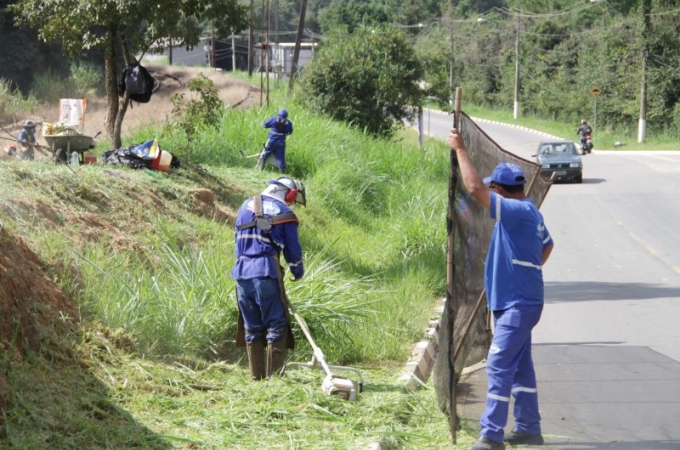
column 318, row 354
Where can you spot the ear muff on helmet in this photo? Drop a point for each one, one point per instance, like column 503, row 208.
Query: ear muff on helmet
column 288, row 183
column 291, row 195
column 295, row 190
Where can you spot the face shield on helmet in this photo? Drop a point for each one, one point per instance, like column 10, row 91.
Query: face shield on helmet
column 295, row 190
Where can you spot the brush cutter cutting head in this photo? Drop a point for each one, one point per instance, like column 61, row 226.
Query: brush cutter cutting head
column 340, row 386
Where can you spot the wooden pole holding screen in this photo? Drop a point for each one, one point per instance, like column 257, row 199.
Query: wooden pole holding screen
column 451, row 272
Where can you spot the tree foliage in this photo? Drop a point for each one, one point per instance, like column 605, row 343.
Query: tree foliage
column 201, row 110
column 368, row 78
column 136, row 25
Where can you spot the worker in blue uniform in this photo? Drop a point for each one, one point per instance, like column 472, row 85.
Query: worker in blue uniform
column 279, row 128
column 520, row 246
column 266, row 227
column 28, row 141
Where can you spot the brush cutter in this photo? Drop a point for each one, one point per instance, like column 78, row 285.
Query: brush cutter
column 332, row 384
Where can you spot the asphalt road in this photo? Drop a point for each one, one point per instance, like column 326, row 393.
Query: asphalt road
column 607, row 349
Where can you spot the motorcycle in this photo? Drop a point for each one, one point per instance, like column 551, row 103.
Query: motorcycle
column 588, row 145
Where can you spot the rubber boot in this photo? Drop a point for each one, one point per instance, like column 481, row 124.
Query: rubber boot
column 256, row 359
column 275, row 356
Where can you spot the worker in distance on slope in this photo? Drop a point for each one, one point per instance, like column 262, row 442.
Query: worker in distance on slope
column 280, row 128
column 265, row 228
column 27, row 140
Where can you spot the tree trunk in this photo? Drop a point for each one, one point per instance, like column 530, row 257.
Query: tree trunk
column 118, row 126
column 111, row 86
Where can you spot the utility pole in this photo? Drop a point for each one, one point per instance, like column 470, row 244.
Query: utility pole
column 250, row 40
column 233, row 51
column 452, row 61
column 212, row 43
column 298, row 41
column 265, row 51
column 515, row 113
column 170, row 51
column 276, row 40
column 642, row 125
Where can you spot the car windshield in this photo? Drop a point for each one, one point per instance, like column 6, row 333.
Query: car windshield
column 558, row 148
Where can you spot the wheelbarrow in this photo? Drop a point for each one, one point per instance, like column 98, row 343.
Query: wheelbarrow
column 62, row 146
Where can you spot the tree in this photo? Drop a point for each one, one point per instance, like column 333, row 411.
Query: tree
column 368, row 78
column 202, row 110
column 133, row 25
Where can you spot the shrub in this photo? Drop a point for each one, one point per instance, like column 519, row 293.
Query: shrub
column 368, row 78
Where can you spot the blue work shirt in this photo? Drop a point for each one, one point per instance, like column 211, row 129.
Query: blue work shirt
column 279, row 129
column 255, row 250
column 26, row 137
column 514, row 273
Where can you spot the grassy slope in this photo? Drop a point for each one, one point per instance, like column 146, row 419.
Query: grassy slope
column 148, row 260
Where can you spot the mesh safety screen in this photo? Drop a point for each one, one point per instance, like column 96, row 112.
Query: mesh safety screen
column 471, row 227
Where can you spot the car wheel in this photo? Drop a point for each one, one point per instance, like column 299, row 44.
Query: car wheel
column 579, row 179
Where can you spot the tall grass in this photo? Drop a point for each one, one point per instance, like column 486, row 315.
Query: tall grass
column 13, row 103
column 373, row 234
column 84, row 81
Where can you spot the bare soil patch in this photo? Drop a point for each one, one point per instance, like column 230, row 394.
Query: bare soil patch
column 233, row 91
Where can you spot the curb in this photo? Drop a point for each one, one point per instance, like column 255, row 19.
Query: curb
column 418, row 368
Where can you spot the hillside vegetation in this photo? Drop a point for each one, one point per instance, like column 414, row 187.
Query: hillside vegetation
column 133, row 343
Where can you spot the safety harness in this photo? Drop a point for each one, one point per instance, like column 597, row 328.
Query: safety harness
column 265, row 222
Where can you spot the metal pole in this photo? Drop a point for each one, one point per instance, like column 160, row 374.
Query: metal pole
column 250, row 40
column 212, row 44
column 516, row 104
column 420, row 126
column 452, row 58
column 594, row 119
column 642, row 126
column 233, row 51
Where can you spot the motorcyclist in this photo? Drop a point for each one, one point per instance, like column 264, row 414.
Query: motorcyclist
column 584, row 130
column 27, row 139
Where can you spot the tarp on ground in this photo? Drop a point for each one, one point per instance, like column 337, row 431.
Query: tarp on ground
column 472, row 228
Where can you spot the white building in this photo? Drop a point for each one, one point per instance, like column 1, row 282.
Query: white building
column 282, row 56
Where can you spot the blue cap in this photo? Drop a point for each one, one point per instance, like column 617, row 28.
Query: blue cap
column 508, row 174
column 283, row 113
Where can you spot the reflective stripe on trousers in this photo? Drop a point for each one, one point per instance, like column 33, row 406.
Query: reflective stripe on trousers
column 510, row 371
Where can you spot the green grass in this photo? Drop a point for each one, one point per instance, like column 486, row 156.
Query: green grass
column 149, row 268
column 13, row 104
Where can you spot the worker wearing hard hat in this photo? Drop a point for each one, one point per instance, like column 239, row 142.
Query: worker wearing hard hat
column 27, row 139
column 265, row 228
column 280, row 127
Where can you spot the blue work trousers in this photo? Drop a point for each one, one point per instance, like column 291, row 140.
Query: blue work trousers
column 279, row 151
column 510, row 371
column 262, row 309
